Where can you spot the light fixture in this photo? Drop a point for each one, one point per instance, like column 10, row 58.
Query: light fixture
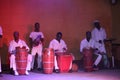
column 113, row 2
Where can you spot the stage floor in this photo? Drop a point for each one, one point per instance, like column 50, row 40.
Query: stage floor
column 111, row 74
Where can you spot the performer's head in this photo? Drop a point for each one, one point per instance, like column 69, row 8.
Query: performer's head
column 88, row 35
column 16, row 35
column 97, row 24
column 58, row 36
column 37, row 26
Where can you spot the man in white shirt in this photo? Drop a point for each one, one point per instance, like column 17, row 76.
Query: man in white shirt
column 59, row 46
column 1, row 34
column 89, row 43
column 12, row 50
column 36, row 43
column 99, row 35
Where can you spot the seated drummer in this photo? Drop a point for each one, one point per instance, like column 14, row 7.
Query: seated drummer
column 59, row 47
column 12, row 50
column 89, row 43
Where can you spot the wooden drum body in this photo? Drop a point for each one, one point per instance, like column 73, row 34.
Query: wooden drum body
column 21, row 60
column 48, row 60
column 64, row 62
column 88, row 59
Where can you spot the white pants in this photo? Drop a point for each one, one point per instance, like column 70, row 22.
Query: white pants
column 99, row 57
column 0, row 65
column 37, row 50
column 13, row 62
column 56, row 64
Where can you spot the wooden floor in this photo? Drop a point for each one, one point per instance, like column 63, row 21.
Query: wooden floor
column 108, row 74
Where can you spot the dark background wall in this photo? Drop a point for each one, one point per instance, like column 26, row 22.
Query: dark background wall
column 72, row 17
column 116, row 31
column 116, row 21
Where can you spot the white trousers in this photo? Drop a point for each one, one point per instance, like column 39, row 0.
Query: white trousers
column 0, row 65
column 13, row 62
column 37, row 50
column 99, row 58
column 56, row 64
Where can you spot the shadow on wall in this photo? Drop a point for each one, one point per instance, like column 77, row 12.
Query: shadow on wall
column 26, row 35
column 4, row 52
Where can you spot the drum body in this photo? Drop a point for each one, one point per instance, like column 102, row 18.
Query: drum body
column 88, row 59
column 21, row 60
column 48, row 60
column 64, row 62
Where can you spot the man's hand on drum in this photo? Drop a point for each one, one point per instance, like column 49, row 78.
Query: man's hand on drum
column 56, row 50
column 64, row 49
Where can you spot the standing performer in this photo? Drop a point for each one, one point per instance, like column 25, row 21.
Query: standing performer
column 99, row 35
column 36, row 43
column 12, row 50
column 1, row 34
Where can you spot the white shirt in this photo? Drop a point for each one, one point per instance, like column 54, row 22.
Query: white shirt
column 13, row 45
column 58, row 46
column 85, row 44
column 34, row 35
column 98, row 34
column 1, row 33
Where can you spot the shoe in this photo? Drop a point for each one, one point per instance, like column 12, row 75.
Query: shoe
column 57, row 71
column 70, row 71
column 11, row 71
column 16, row 73
column 26, row 72
column 39, row 69
column 95, row 68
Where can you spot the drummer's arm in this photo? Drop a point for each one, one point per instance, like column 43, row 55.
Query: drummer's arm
column 11, row 49
column 42, row 40
column 12, row 52
column 56, row 51
column 65, row 49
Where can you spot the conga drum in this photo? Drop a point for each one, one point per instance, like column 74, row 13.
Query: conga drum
column 88, row 59
column 21, row 60
column 64, row 62
column 48, row 60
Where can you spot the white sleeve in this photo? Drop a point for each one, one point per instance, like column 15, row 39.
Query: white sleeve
column 1, row 32
column 64, row 45
column 81, row 46
column 24, row 44
column 51, row 45
column 42, row 36
column 10, row 47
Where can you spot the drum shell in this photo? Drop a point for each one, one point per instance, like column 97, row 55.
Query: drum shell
column 21, row 60
column 64, row 62
column 48, row 60
column 88, row 59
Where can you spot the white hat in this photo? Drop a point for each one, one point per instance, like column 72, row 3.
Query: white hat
column 96, row 21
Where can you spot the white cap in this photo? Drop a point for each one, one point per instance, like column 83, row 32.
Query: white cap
column 96, row 21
